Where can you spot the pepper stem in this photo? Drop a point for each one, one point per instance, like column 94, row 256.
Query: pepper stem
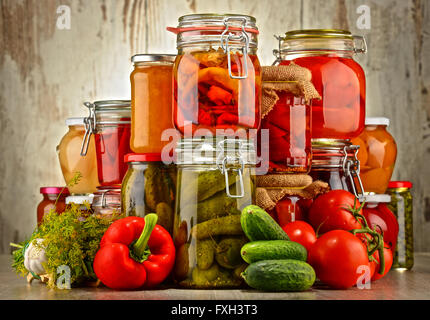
column 140, row 246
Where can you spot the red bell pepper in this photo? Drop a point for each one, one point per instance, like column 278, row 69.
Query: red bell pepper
column 134, row 252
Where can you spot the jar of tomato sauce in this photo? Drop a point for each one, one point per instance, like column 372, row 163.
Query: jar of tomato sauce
column 151, row 101
column 289, row 124
column 217, row 75
column 377, row 154
column 335, row 162
column 109, row 121
column 53, row 198
column 72, row 162
column 340, row 80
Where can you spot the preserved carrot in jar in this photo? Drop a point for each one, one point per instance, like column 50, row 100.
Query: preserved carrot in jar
column 151, row 101
column 72, row 162
column 340, row 80
column 377, row 155
column 217, row 75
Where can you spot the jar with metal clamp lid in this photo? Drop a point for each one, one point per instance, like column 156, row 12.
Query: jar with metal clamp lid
column 109, row 121
column 106, row 202
column 217, row 74
column 337, row 77
column 335, row 162
column 151, row 101
column 215, row 182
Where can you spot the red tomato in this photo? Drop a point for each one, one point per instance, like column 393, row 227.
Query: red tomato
column 301, row 232
column 388, row 256
column 287, row 211
column 385, row 221
column 328, row 212
column 336, row 257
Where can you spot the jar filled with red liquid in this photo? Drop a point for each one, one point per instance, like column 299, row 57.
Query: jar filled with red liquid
column 340, row 80
column 110, row 122
column 335, row 162
column 217, row 75
column 50, row 196
column 289, row 123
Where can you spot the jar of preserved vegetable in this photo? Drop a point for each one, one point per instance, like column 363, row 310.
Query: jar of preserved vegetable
column 215, row 182
column 149, row 187
column 83, row 203
column 217, row 74
column 377, row 154
column 53, row 198
column 289, row 124
column 109, row 121
column 72, row 162
column 106, row 202
column 151, row 101
column 340, row 81
column 335, row 162
column 401, row 206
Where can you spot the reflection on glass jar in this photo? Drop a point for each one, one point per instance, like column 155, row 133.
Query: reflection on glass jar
column 53, row 198
column 109, row 121
column 210, row 196
column 340, row 81
column 72, row 162
column 149, row 186
column 377, row 155
column 335, row 162
column 151, row 101
column 289, row 123
column 217, row 75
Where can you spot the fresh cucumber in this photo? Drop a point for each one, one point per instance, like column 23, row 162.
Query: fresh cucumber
column 257, row 224
column 279, row 275
column 273, row 250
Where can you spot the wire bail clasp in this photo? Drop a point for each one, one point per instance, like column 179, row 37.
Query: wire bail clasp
column 90, row 125
column 351, row 168
column 363, row 47
column 228, row 36
column 277, row 52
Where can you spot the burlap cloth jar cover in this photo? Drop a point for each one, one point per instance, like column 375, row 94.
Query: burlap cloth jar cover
column 272, row 188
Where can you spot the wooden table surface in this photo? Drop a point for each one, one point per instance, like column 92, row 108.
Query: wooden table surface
column 414, row 284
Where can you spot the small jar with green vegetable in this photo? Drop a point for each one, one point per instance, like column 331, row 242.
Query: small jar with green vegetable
column 401, row 206
column 149, row 187
column 215, row 182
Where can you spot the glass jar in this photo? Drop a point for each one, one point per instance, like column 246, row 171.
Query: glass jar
column 215, row 182
column 151, row 101
column 109, row 121
column 289, row 124
column 149, row 187
column 335, row 162
column 106, row 202
column 291, row 208
column 401, row 206
column 340, row 81
column 49, row 201
column 72, row 162
column 377, row 154
column 217, row 74
column 83, row 203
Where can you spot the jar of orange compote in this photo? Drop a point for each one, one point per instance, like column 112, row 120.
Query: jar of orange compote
column 151, row 101
column 377, row 154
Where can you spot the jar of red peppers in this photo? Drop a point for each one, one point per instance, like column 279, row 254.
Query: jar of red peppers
column 53, row 198
column 340, row 80
column 109, row 121
column 335, row 162
column 217, row 75
column 151, row 101
column 290, row 135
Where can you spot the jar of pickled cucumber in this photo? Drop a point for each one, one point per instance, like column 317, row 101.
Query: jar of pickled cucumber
column 149, row 186
column 215, row 182
column 401, row 206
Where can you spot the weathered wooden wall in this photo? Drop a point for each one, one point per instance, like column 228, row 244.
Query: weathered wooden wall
column 46, row 73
